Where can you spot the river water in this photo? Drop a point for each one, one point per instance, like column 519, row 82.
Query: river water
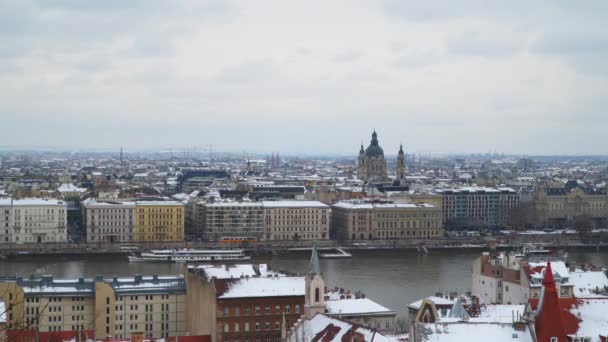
column 393, row 278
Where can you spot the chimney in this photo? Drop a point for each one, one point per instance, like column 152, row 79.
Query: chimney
column 138, row 278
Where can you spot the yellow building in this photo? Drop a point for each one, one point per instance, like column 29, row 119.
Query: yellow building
column 119, row 307
column 159, row 221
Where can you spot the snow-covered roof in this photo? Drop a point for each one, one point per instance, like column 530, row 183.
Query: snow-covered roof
column 31, row 202
column 227, row 271
column 592, row 313
column 471, row 332
column 436, row 300
column 294, row 204
column 558, row 267
column 588, row 283
column 265, row 287
column 328, row 329
column 367, row 205
column 361, row 306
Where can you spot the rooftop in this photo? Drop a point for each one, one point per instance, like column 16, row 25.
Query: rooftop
column 265, row 287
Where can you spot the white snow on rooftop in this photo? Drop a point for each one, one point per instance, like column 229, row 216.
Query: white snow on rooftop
column 308, row 330
column 471, row 332
column 228, row 272
column 434, row 299
column 588, row 283
column 558, row 267
column 593, row 313
column 355, row 307
column 294, row 204
column 265, row 287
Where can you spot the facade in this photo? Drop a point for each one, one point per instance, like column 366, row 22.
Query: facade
column 296, row 220
column 161, row 220
column 104, row 307
column 371, row 165
column 33, row 220
column 109, row 221
column 234, row 219
column 560, row 206
column 478, row 207
column 242, row 302
column 358, row 220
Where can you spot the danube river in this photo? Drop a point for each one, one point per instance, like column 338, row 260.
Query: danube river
column 393, row 278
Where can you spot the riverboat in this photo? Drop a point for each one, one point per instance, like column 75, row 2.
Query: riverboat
column 191, row 255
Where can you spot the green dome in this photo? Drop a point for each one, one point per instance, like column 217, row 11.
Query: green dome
column 374, row 150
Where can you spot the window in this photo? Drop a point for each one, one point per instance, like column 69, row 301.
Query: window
column 257, row 326
column 378, row 325
column 387, row 325
column 257, row 309
column 246, row 326
column 226, row 327
column 297, row 308
column 554, row 339
column 267, row 309
column 226, row 311
column 287, row 308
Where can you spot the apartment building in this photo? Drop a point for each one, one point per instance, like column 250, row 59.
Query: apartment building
column 478, row 206
column 159, row 220
column 360, row 220
column 101, row 307
column 33, row 220
column 109, row 221
column 296, row 220
column 234, row 219
column 242, row 302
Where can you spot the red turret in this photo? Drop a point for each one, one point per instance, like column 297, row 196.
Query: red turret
column 548, row 322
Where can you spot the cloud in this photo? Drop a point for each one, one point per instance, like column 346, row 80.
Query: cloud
column 289, row 76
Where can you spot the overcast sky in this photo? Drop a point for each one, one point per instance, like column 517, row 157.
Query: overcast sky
column 312, row 76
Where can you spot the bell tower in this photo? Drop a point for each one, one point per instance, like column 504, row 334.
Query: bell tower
column 401, row 170
column 315, row 287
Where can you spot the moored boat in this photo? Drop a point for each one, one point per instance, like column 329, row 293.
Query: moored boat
column 191, row 255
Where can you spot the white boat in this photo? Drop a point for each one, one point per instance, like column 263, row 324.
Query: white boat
column 191, row 255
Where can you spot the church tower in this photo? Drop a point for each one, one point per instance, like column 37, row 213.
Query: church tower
column 401, row 170
column 315, row 287
column 361, row 171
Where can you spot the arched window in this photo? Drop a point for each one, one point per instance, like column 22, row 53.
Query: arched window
column 316, row 294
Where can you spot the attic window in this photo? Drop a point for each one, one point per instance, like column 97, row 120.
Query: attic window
column 554, row 339
column 514, row 336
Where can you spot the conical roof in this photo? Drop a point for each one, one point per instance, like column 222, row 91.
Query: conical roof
column 313, row 265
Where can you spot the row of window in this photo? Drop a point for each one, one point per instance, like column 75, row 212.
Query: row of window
column 236, row 310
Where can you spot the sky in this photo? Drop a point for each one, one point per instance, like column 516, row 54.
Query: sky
column 314, row 77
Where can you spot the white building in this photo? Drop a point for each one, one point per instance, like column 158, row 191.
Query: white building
column 33, row 220
column 109, row 221
column 509, row 279
column 296, row 220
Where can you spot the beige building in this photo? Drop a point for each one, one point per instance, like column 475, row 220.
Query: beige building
column 109, row 221
column 117, row 307
column 359, row 220
column 34, row 220
column 296, row 220
column 560, row 206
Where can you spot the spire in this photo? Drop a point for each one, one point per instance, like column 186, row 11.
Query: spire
column 401, row 149
column 374, row 138
column 313, row 266
column 548, row 321
column 361, row 151
column 548, row 279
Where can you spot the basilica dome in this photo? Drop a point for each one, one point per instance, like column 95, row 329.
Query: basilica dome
column 374, row 150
